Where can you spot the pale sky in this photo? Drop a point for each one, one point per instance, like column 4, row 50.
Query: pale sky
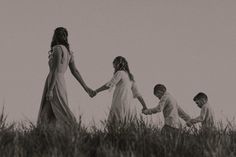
column 187, row 45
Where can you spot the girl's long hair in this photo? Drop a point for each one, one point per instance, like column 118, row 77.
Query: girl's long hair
column 122, row 64
column 60, row 37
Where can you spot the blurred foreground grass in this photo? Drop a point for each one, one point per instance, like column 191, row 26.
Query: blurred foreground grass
column 131, row 139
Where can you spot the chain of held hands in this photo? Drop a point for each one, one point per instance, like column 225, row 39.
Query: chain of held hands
column 147, row 111
column 93, row 93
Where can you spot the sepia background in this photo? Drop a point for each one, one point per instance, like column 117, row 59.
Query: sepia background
column 187, row 45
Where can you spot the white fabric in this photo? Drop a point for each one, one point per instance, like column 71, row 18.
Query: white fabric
column 125, row 90
column 171, row 111
column 56, row 112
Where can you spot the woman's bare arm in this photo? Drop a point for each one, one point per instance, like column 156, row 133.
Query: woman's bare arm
column 77, row 75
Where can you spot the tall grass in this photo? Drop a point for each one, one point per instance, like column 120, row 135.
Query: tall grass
column 129, row 139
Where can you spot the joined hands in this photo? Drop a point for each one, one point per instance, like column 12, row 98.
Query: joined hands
column 146, row 111
column 190, row 123
column 91, row 92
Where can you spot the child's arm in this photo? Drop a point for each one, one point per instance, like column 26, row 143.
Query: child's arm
column 137, row 95
column 115, row 79
column 159, row 107
column 102, row 88
column 140, row 98
column 200, row 118
column 183, row 115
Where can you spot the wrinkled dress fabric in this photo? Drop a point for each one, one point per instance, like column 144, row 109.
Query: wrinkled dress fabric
column 56, row 113
column 122, row 107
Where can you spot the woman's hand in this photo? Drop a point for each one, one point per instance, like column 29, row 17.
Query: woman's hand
column 49, row 95
column 91, row 92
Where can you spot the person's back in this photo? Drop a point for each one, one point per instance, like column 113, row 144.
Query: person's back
column 65, row 56
column 209, row 120
column 206, row 117
column 170, row 111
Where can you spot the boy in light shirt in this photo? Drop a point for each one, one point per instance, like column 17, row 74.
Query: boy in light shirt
column 206, row 117
column 171, row 110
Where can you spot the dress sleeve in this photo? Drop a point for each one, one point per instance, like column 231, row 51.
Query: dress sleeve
column 115, row 79
column 135, row 91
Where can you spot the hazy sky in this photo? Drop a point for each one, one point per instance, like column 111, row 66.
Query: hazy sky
column 188, row 45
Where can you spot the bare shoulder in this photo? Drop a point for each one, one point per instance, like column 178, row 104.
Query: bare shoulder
column 57, row 49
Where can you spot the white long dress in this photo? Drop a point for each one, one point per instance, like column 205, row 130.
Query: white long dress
column 125, row 91
column 57, row 112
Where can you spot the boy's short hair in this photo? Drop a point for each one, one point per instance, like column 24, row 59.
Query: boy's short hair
column 159, row 87
column 200, row 95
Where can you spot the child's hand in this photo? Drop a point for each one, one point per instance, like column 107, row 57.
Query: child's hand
column 144, row 108
column 91, row 93
column 189, row 124
column 146, row 112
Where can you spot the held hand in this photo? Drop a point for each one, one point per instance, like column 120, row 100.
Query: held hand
column 49, row 95
column 91, row 92
column 189, row 124
column 146, row 112
column 144, row 108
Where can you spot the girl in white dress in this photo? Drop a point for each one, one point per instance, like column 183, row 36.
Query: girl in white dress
column 125, row 90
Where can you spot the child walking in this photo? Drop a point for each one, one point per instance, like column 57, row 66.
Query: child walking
column 171, row 110
column 206, row 117
column 125, row 90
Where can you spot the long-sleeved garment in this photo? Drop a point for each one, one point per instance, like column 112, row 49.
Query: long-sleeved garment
column 207, row 116
column 171, row 111
column 122, row 107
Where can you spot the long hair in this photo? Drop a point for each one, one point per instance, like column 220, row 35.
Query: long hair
column 122, row 64
column 60, row 37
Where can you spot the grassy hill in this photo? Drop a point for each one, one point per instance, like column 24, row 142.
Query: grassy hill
column 131, row 139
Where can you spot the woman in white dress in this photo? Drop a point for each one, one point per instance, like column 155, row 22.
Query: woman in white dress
column 125, row 90
column 54, row 109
